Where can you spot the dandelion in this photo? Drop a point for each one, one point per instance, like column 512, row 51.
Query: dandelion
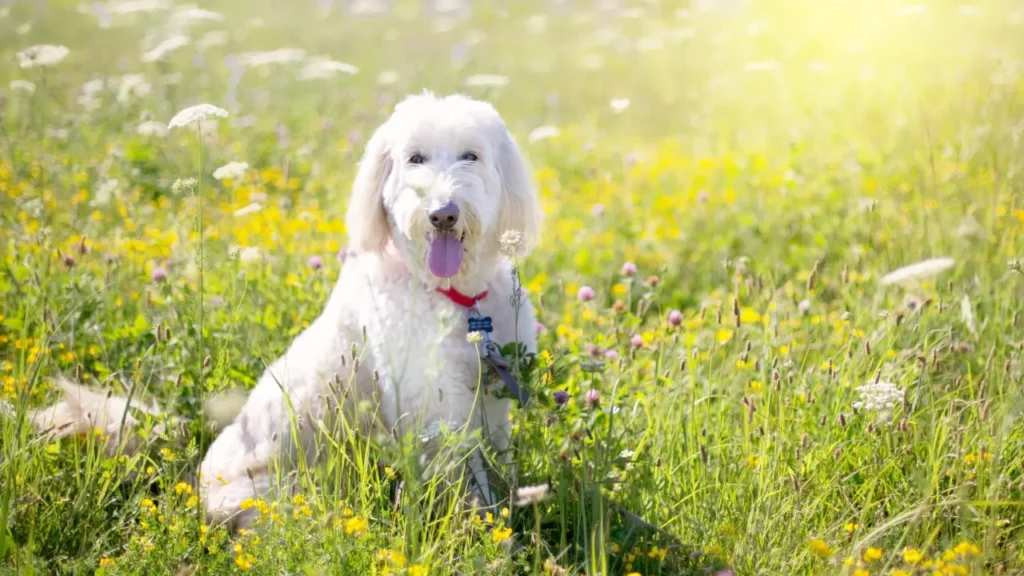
column 512, row 242
column 591, row 399
column 248, row 209
column 500, row 535
column 530, row 495
column 872, row 554
column 878, row 396
column 22, row 85
column 619, row 105
column 912, row 556
column 487, row 80
column 475, row 337
column 159, row 274
column 355, row 525
column 820, row 548
column 42, row 55
column 628, row 269
column 161, row 50
column 917, row 272
column 196, row 114
column 675, row 318
column 543, row 133
column 585, row 294
column 561, row 397
column 232, row 170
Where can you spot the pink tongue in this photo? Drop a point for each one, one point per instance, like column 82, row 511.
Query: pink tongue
column 445, row 256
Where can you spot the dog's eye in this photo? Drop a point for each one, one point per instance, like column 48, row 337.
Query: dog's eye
column 469, row 157
column 417, row 159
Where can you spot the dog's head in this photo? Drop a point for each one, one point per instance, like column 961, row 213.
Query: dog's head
column 443, row 180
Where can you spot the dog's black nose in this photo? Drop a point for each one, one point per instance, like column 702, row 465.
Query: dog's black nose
column 445, row 217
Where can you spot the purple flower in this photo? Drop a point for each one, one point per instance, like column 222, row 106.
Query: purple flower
column 159, row 274
column 611, row 355
column 342, row 255
column 597, row 210
column 703, row 196
column 591, row 399
column 629, row 269
column 315, row 262
column 637, row 341
column 561, row 397
column 540, row 328
column 593, row 350
column 585, row 294
column 675, row 318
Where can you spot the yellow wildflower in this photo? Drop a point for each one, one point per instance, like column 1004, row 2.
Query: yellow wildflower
column 499, row 535
column 106, row 562
column 182, row 488
column 820, row 548
column 872, row 554
column 355, row 525
column 912, row 556
column 417, row 570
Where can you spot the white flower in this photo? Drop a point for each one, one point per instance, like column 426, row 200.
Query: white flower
column 475, row 337
column 804, row 306
column 387, row 77
column 211, row 39
column 23, row 85
column 104, row 192
column 511, row 242
column 90, row 89
column 919, row 271
column 133, row 85
column 319, row 68
column 195, row 114
column 619, row 105
column 134, row 6
column 967, row 314
column 151, row 128
column 626, row 454
column 492, row 80
column 543, row 133
column 528, row 495
column 183, row 184
column 42, row 55
column 247, row 210
column 249, row 255
column 166, row 47
column 881, row 396
column 232, row 170
column 189, row 14
column 280, row 56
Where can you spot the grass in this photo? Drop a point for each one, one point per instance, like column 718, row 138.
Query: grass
column 774, row 163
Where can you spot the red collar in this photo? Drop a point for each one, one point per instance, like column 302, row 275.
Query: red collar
column 461, row 299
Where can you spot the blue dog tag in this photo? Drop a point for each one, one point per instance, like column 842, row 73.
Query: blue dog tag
column 481, row 324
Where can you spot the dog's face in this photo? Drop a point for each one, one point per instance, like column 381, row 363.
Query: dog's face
column 442, row 180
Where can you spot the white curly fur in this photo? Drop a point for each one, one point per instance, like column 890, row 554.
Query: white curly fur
column 415, row 338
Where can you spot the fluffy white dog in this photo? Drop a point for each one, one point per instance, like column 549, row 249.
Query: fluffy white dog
column 440, row 182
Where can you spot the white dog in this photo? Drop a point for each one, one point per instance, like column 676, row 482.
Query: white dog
column 440, row 182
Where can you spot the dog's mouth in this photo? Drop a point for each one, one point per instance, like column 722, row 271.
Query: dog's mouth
column 444, row 257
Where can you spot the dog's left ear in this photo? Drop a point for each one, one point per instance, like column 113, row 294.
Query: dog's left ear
column 520, row 206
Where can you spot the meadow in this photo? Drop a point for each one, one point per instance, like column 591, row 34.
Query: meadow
column 733, row 348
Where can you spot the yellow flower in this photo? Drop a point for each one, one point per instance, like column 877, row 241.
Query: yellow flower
column 417, row 570
column 723, row 335
column 899, row 572
column 182, row 488
column 192, row 501
column 247, row 503
column 912, row 556
column 167, row 454
column 820, row 548
column 499, row 535
column 752, row 461
column 504, row 513
column 298, row 499
column 966, row 549
column 244, row 561
column 872, row 554
column 106, row 562
column 634, row 574
column 355, row 525
column 851, row 527
column 860, row 572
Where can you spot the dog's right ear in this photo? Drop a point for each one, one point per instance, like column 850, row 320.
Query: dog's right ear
column 367, row 220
